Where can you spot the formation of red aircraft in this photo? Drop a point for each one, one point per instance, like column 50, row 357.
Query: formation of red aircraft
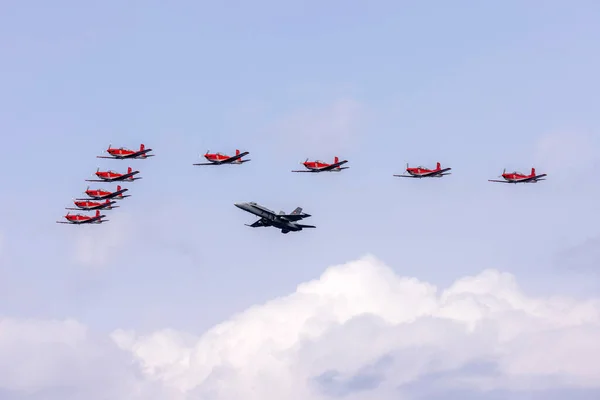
column 336, row 166
column 102, row 199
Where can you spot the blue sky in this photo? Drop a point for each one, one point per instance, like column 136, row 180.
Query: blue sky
column 478, row 87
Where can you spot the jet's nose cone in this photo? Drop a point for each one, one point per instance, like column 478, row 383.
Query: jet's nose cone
column 239, row 205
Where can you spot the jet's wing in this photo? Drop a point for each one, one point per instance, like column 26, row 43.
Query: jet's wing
column 259, row 223
column 295, row 215
column 306, row 226
column 334, row 165
column 494, row 180
column 207, row 163
column 308, row 170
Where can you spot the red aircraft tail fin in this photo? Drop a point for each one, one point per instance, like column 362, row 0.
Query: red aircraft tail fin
column 129, row 170
column 438, row 166
column 118, row 187
column 336, row 159
column 142, row 147
column 237, row 152
column 107, row 201
column 97, row 213
column 532, row 171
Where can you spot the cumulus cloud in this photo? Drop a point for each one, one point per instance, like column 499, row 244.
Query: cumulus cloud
column 362, row 330
column 63, row 360
column 359, row 331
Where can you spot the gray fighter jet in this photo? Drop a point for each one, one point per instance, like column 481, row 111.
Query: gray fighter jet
column 285, row 222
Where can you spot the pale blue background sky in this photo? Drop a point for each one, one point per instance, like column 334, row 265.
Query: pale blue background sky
column 475, row 86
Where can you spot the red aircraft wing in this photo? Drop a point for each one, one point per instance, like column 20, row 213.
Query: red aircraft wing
column 137, row 154
column 227, row 160
column 236, row 157
column 328, row 167
column 128, row 153
column 533, row 178
column 334, row 166
column 439, row 172
column 430, row 174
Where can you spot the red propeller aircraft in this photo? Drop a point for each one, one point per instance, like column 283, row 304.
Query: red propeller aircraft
column 518, row 177
column 219, row 158
column 101, row 194
column 320, row 166
column 79, row 219
column 112, row 176
column 122, row 153
column 422, row 172
column 89, row 205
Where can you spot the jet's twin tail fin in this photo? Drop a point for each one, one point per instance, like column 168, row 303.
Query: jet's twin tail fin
column 297, row 211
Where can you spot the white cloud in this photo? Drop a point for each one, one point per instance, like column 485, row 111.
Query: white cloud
column 360, row 313
column 63, row 360
column 332, row 129
column 359, row 330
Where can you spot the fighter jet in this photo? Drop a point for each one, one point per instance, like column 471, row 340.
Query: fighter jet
column 286, row 222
